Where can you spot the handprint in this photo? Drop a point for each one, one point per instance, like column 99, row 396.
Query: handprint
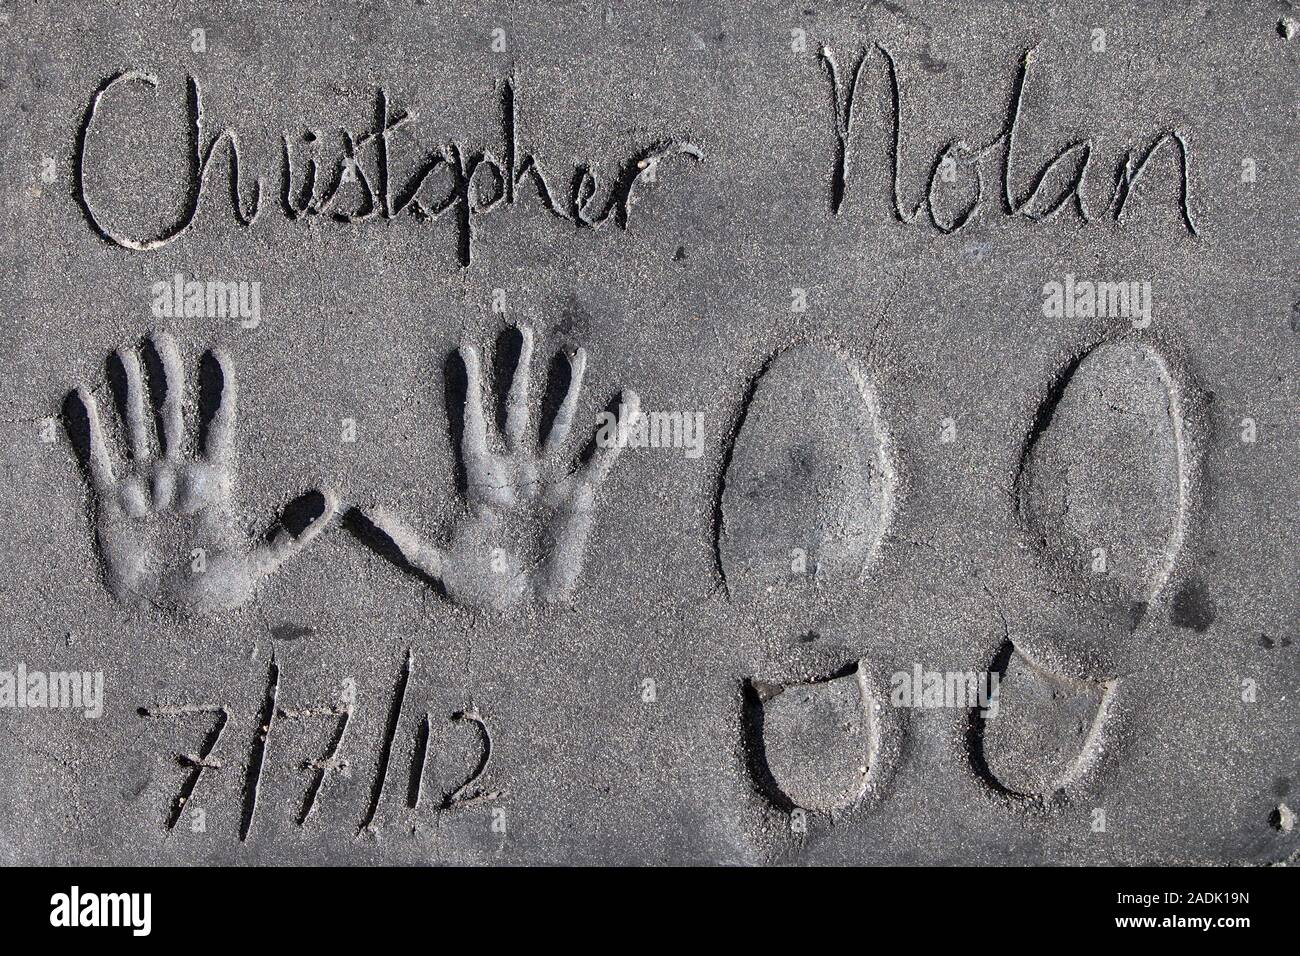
column 164, row 522
column 528, row 512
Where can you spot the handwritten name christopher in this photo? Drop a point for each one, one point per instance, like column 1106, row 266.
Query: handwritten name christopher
column 453, row 179
column 359, row 181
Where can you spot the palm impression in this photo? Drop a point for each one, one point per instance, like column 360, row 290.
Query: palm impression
column 164, row 521
column 528, row 508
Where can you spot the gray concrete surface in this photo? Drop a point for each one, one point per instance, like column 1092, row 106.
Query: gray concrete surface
column 962, row 512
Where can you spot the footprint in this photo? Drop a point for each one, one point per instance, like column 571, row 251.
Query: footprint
column 1044, row 732
column 1103, row 482
column 813, row 744
column 808, row 489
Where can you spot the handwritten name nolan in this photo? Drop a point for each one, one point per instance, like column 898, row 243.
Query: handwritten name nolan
column 360, row 183
column 1072, row 164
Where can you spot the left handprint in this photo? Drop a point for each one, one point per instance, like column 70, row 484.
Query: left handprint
column 165, row 526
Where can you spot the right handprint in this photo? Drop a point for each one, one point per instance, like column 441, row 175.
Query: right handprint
column 529, row 511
